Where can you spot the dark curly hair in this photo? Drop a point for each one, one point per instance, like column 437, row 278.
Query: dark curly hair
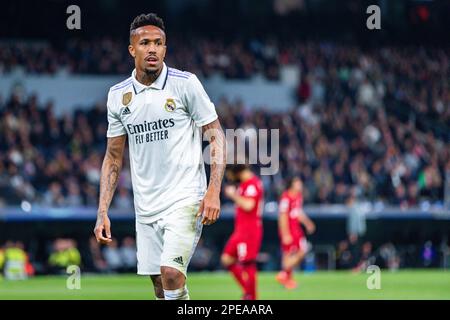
column 290, row 180
column 150, row 19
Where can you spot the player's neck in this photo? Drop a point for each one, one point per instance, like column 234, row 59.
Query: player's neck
column 293, row 193
column 147, row 78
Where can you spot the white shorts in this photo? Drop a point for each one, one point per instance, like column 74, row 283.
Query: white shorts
column 169, row 241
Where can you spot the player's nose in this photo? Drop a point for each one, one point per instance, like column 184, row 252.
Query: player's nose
column 151, row 49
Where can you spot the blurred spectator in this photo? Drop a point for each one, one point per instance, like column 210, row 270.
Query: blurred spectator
column 64, row 254
column 53, row 197
column 304, row 90
column 74, row 195
column 400, row 199
column 413, row 194
column 389, row 257
column 2, row 260
column 202, row 258
column 15, row 261
column 122, row 199
column 95, row 261
column 356, row 218
column 428, row 255
column 344, row 257
column 113, row 256
column 366, row 259
column 353, row 251
column 128, row 254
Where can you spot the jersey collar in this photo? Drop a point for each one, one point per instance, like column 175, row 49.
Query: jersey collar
column 159, row 83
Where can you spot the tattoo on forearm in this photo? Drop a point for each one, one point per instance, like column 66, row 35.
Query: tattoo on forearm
column 217, row 153
column 113, row 177
column 110, row 175
column 108, row 182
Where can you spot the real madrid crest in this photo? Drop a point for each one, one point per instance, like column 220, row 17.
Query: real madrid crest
column 170, row 105
column 126, row 98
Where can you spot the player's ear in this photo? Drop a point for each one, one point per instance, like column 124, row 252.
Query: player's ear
column 132, row 51
column 165, row 45
column 165, row 50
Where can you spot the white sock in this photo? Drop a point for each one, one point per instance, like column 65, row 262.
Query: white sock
column 177, row 294
column 157, row 298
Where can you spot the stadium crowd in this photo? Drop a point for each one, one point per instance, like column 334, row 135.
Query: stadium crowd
column 372, row 121
column 237, row 60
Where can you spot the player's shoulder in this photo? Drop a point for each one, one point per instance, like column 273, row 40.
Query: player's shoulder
column 118, row 89
column 181, row 79
column 255, row 183
column 285, row 195
column 177, row 74
column 116, row 92
column 128, row 82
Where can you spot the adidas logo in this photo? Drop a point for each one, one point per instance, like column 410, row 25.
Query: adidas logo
column 178, row 260
column 126, row 111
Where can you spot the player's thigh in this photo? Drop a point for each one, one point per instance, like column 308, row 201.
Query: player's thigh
column 149, row 244
column 291, row 248
column 303, row 245
column 182, row 230
column 297, row 249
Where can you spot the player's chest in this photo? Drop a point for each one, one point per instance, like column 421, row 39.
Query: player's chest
column 151, row 105
column 294, row 211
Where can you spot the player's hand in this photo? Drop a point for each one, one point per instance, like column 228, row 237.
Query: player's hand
column 210, row 208
column 311, row 228
column 286, row 239
column 230, row 191
column 103, row 223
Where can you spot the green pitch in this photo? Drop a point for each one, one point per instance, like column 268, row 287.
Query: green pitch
column 405, row 284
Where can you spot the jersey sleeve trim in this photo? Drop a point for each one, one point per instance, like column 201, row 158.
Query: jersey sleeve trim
column 208, row 120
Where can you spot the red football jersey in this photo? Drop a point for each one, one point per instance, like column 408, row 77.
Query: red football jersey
column 292, row 204
column 248, row 221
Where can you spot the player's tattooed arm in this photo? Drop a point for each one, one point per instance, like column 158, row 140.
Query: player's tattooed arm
column 210, row 206
column 214, row 133
column 112, row 164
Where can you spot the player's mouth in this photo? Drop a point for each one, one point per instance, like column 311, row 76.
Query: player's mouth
column 151, row 60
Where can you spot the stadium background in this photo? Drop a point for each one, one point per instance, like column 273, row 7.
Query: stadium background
column 364, row 118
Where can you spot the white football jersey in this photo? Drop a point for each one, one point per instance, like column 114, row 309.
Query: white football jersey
column 163, row 122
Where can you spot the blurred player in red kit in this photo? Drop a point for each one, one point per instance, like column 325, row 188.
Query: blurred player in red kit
column 293, row 240
column 241, row 250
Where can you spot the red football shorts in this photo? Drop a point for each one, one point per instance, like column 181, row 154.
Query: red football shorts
column 243, row 247
column 298, row 243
